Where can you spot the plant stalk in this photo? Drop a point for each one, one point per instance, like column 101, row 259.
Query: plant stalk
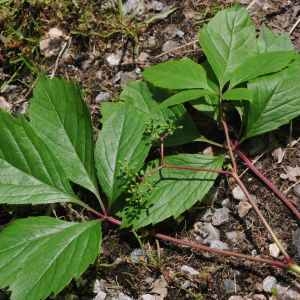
column 268, row 183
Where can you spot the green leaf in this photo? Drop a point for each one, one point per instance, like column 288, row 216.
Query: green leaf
column 121, row 145
column 269, row 41
column 173, row 191
column 261, row 64
column 238, row 94
column 177, row 75
column 39, row 256
column 138, row 95
column 29, row 173
column 184, row 96
column 228, row 40
column 276, row 101
column 61, row 118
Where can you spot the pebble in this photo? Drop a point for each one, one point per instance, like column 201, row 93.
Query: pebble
column 235, row 236
column 296, row 190
column 134, row 7
column 274, row 250
column 156, row 6
column 100, row 296
column 138, row 255
column 4, row 104
column 259, row 297
column 113, row 59
column 235, row 298
column 207, row 217
column 286, row 293
column 296, row 240
column 217, row 244
column 152, row 42
column 226, row 203
column 148, row 297
column 189, row 270
column 230, row 286
column 143, row 57
column 238, row 194
column 122, row 296
column 269, row 283
column 103, row 96
column 160, row 287
column 169, row 45
column 126, row 77
column 51, row 44
column 220, row 216
column 243, row 208
column 206, row 232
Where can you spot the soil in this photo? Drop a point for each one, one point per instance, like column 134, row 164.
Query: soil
column 92, row 33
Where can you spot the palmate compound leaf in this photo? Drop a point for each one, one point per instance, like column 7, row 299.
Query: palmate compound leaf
column 227, row 41
column 40, row 255
column 169, row 192
column 138, row 95
column 61, row 118
column 29, row 173
column 121, row 148
column 276, row 101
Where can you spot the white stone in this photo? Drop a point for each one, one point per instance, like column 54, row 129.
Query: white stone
column 238, row 194
column 148, row 297
column 55, row 33
column 235, row 298
column 103, row 96
column 114, row 59
column 189, row 270
column 274, row 250
column 220, row 216
column 217, row 244
column 4, row 104
column 269, row 283
column 169, row 45
column 243, row 208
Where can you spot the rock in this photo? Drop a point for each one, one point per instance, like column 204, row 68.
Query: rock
column 151, row 42
column 292, row 173
column 138, row 255
column 285, row 293
column 207, row 217
column 220, row 216
column 296, row 240
column 122, row 296
column 127, row 77
column 99, row 74
column 238, row 194
column 55, row 33
column 205, row 232
column 114, row 59
column 51, row 44
column 217, row 244
column 100, row 296
column 189, row 270
column 269, row 283
column 4, row 104
column 156, row 5
column 226, row 203
column 160, row 287
column 143, row 57
column 296, row 190
column 169, row 45
column 243, row 208
column 185, row 285
column 171, row 31
column 103, row 96
column 235, row 236
column 235, row 298
column 230, row 286
column 274, row 250
column 148, row 297
column 134, row 7
column 259, row 297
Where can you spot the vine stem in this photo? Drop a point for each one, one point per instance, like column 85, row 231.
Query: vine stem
column 248, row 196
column 268, row 183
column 197, row 246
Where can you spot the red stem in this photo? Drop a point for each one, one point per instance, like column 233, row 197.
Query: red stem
column 268, row 183
column 200, row 247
